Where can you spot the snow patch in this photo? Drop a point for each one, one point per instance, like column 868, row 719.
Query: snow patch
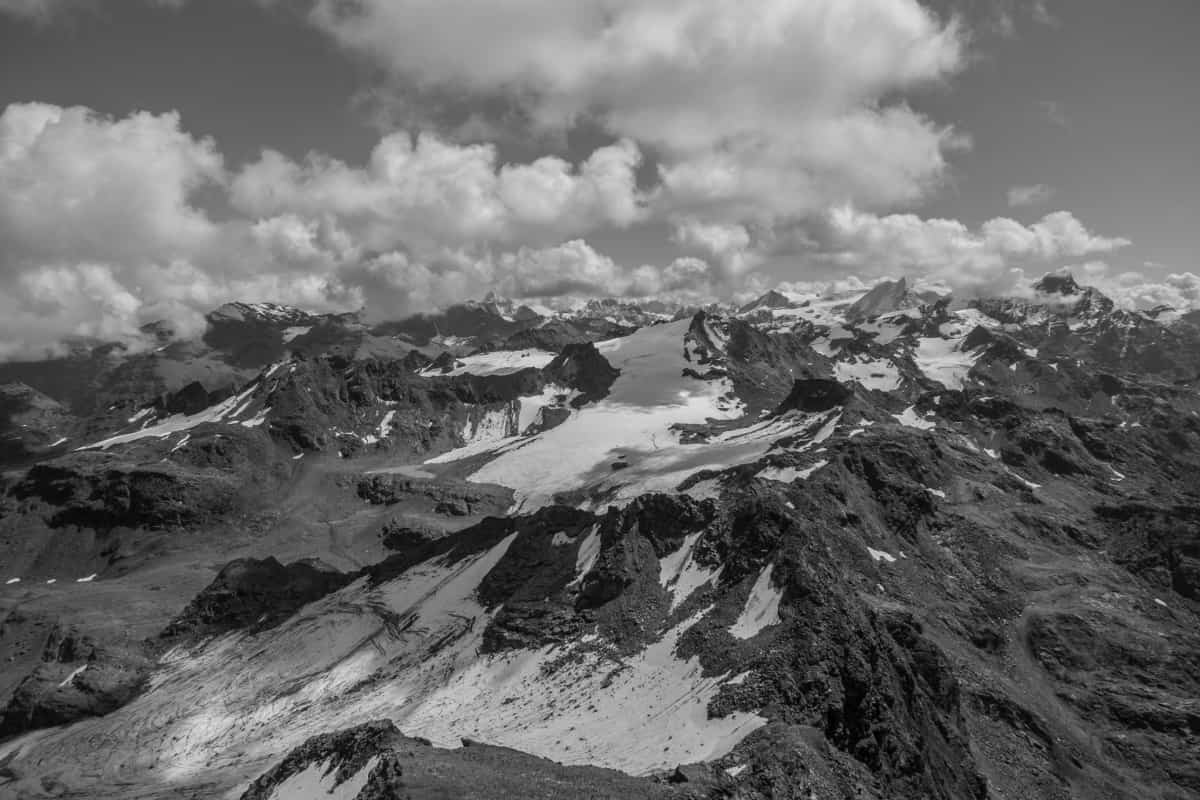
column 382, row 430
column 498, row 362
column 296, row 330
column 88, row 579
column 880, row 375
column 881, row 555
column 145, row 412
column 762, row 607
column 944, row 361
column 319, row 782
column 910, row 419
column 67, row 680
column 681, row 574
column 790, row 474
column 227, row 410
column 589, row 551
column 11, row 581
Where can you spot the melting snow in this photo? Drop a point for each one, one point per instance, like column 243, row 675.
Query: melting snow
column 681, row 574
column 88, row 579
column 789, row 474
column 495, row 424
column 881, row 555
column 532, row 408
column 589, row 551
column 140, row 415
column 1160, row 602
column 944, row 361
column 78, row 671
column 880, row 375
column 11, row 581
column 1028, row 483
column 408, row 650
column 296, row 330
column 909, row 418
column 383, row 429
column 762, row 607
column 319, row 782
column 60, row 441
column 635, row 420
column 499, row 362
column 227, row 410
column 936, row 492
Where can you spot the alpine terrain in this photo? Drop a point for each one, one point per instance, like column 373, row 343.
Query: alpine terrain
column 874, row 544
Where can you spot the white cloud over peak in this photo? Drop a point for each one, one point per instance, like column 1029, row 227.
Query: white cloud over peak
column 756, row 111
column 103, row 234
column 992, row 259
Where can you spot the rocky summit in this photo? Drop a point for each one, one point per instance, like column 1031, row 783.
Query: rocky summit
column 876, row 544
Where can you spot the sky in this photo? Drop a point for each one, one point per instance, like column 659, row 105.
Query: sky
column 161, row 157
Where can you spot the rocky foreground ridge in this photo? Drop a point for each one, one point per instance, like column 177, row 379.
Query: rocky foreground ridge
column 875, row 545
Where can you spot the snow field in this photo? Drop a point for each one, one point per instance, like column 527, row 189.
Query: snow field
column 319, row 782
column 761, row 609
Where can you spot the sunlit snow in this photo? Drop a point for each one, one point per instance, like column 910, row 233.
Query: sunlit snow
column 761, row 609
column 498, row 362
column 879, row 375
column 319, row 782
column 911, row 419
column 880, row 555
column 944, row 360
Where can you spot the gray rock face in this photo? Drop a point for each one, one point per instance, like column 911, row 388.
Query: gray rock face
column 940, row 554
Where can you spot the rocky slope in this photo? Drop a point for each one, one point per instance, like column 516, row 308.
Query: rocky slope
column 874, row 545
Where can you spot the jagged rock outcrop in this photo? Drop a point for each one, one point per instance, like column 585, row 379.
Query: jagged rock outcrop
column 77, row 678
column 582, row 368
column 252, row 594
column 812, row 395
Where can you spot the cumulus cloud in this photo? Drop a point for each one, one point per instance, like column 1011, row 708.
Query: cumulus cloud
column 429, row 192
column 1035, row 195
column 1153, row 287
column 103, row 234
column 765, row 110
column 992, row 259
column 729, row 245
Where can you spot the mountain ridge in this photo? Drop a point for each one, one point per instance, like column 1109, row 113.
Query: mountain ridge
column 910, row 547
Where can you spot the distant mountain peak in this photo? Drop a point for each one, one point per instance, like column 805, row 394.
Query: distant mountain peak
column 772, row 299
column 1062, row 282
column 884, row 297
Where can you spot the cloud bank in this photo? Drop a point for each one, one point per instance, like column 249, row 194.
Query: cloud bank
column 729, row 128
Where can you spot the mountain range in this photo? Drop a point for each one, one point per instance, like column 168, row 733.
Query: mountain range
column 880, row 543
